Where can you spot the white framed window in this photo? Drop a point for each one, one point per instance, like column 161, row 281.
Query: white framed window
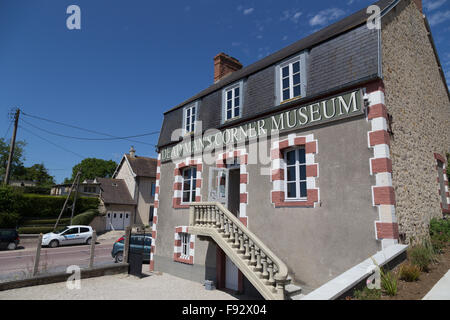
column 185, row 245
column 232, row 101
column 190, row 117
column 189, row 185
column 295, row 177
column 291, row 79
column 153, row 190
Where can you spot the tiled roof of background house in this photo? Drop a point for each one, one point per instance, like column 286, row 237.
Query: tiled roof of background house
column 143, row 166
column 115, row 191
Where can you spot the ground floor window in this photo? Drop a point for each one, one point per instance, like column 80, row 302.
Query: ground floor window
column 185, row 244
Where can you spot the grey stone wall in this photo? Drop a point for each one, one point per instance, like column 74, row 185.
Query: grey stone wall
column 416, row 98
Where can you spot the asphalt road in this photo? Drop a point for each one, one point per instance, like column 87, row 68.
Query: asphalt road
column 18, row 264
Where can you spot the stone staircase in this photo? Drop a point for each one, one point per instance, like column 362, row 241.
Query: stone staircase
column 267, row 273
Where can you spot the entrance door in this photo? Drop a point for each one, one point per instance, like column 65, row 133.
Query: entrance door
column 126, row 219
column 108, row 220
column 218, row 185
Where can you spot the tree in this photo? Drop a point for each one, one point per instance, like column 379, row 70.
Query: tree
column 92, row 168
column 17, row 161
column 37, row 173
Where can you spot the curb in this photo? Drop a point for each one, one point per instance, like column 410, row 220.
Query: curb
column 62, row 276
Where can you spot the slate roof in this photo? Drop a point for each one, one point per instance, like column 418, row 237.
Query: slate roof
column 143, row 166
column 115, row 191
column 342, row 54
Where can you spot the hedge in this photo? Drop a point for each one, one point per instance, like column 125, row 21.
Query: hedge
column 9, row 219
column 37, row 222
column 37, row 230
column 35, row 190
column 85, row 218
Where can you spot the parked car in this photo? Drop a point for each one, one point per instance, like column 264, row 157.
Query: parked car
column 9, row 239
column 138, row 244
column 70, row 235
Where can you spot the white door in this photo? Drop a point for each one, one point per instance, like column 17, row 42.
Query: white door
column 231, row 275
column 126, row 220
column 108, row 220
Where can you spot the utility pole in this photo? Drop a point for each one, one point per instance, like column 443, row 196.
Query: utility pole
column 67, row 200
column 75, row 196
column 11, row 149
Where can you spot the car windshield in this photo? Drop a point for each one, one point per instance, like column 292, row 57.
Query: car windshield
column 64, row 230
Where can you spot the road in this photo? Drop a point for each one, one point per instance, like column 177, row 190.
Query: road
column 19, row 264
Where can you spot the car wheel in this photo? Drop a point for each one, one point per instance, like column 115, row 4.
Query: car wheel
column 119, row 257
column 12, row 246
column 88, row 241
column 54, row 243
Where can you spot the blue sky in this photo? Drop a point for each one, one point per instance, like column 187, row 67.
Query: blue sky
column 132, row 60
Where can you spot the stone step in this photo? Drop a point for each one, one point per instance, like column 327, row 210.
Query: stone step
column 292, row 290
column 297, row 297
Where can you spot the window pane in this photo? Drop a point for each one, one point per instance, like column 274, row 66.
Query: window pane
column 285, row 71
column 229, row 95
column 186, row 196
column 292, row 190
column 301, row 156
column 193, row 196
column 302, row 172
column 188, row 113
column 229, row 104
column 236, row 102
column 186, row 185
column 236, row 112
column 303, row 192
column 286, row 94
column 285, row 83
column 236, row 92
column 192, row 127
column 229, row 116
column 296, row 67
column 290, row 174
column 290, row 157
column 193, row 111
column 297, row 91
column 297, row 78
column 186, row 174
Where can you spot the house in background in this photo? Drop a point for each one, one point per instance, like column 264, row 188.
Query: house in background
column 22, row 183
column 87, row 188
column 139, row 175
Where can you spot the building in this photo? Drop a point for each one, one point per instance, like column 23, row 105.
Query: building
column 87, row 188
column 308, row 161
column 139, row 176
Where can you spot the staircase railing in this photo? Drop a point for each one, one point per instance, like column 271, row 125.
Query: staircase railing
column 259, row 264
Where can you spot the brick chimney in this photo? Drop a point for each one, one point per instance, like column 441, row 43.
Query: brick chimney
column 419, row 5
column 224, row 65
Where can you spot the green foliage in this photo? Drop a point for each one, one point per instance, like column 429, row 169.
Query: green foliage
column 17, row 163
column 9, row 219
column 44, row 190
column 40, row 206
column 409, row 272
column 39, row 222
column 439, row 233
column 388, row 282
column 367, row 294
column 85, row 218
column 37, row 173
column 92, row 168
column 37, row 230
column 422, row 256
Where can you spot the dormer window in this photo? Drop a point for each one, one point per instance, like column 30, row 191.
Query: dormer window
column 189, row 117
column 291, row 79
column 232, row 101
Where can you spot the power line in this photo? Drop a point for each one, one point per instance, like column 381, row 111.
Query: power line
column 7, row 130
column 112, row 137
column 56, row 145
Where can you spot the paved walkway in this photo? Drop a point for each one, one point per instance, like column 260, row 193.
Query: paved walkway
column 122, row 286
column 441, row 290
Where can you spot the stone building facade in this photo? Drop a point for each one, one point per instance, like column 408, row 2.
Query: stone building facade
column 310, row 160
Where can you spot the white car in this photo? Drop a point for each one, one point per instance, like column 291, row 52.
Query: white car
column 70, row 235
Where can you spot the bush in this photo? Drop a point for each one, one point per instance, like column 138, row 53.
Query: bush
column 85, row 218
column 422, row 256
column 38, row 222
column 37, row 230
column 367, row 294
column 409, row 272
column 439, row 233
column 9, row 220
column 9, row 198
column 35, row 190
column 388, row 282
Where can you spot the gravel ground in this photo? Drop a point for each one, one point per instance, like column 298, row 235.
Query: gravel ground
column 155, row 286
